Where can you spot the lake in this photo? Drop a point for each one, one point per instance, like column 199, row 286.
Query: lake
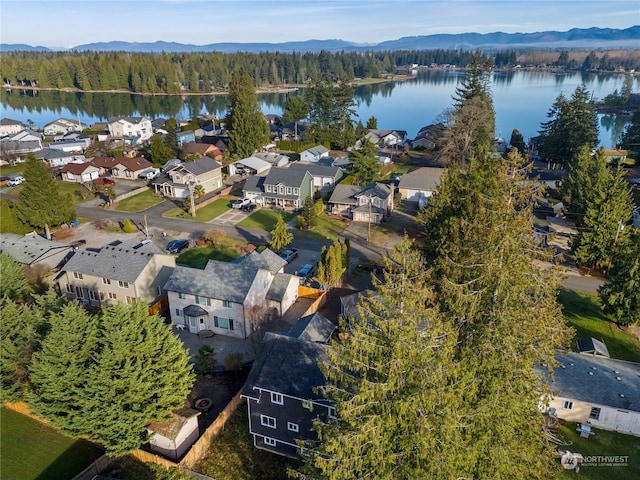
column 522, row 100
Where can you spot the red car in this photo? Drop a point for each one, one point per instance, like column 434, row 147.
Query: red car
column 105, row 181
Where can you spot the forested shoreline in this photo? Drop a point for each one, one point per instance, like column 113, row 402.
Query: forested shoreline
column 210, row 73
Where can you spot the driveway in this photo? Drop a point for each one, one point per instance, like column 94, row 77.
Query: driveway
column 230, row 217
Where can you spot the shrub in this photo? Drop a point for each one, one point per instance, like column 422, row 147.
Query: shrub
column 300, row 222
column 214, row 237
column 233, row 361
column 128, row 227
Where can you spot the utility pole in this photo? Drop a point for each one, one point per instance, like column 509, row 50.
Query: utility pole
column 369, row 223
column 618, row 230
column 193, row 201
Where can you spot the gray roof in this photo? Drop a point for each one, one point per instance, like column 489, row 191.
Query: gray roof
column 422, row 179
column 317, row 150
column 313, row 328
column 199, row 166
column 133, row 120
column 287, row 365
column 254, row 163
column 597, row 380
column 347, row 194
column 278, row 287
column 124, row 261
column 195, row 311
column 593, row 346
column 350, row 302
column 317, row 170
column 286, row 176
column 8, row 121
column 49, row 153
column 377, row 189
column 224, row 280
column 29, row 249
column 253, row 183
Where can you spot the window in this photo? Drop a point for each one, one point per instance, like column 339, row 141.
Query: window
column 112, row 296
column 178, row 312
column 568, row 405
column 69, row 288
column 226, row 304
column 192, row 321
column 79, row 293
column 106, row 281
column 122, row 284
column 288, row 190
column 181, row 296
column 101, row 294
column 131, row 300
column 267, row 421
column 332, row 412
column 77, row 275
column 93, row 295
column 269, row 441
column 203, row 300
column 595, row 413
column 277, row 398
column 296, row 191
column 225, row 323
column 292, row 427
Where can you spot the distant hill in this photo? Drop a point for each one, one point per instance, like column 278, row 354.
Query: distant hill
column 21, row 47
column 576, row 38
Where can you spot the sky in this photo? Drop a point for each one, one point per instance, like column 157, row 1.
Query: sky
column 63, row 24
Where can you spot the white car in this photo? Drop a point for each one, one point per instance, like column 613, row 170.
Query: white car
column 15, row 181
column 150, row 174
column 240, row 203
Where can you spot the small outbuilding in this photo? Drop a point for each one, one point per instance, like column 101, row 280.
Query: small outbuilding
column 173, row 438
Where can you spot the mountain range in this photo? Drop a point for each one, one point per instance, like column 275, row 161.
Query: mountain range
column 576, row 38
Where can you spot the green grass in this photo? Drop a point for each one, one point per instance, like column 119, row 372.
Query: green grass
column 139, row 202
column 232, row 455
column 198, row 257
column 263, row 219
column 8, row 171
column 583, row 312
column 602, row 443
column 327, row 228
column 204, row 214
column 32, row 450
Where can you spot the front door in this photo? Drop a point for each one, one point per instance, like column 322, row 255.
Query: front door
column 201, row 324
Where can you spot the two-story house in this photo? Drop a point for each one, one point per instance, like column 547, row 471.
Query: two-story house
column 127, row 272
column 283, row 187
column 324, row 177
column 57, row 158
column 133, row 129
column 280, row 390
column 371, row 203
column 15, row 147
column 9, row 126
column 177, row 181
column 386, row 138
column 63, row 126
column 231, row 298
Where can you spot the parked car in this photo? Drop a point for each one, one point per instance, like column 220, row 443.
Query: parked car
column 240, row 203
column 248, row 207
column 15, row 181
column 105, row 181
column 150, row 174
column 289, row 255
column 4, row 181
column 176, row 246
column 306, row 271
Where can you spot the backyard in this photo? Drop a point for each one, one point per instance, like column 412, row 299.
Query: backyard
column 327, row 228
column 264, row 219
column 199, row 256
column 32, row 450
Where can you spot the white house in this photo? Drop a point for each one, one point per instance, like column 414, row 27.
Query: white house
column 231, row 298
column 9, row 127
column 314, row 154
column 597, row 391
column 63, row 126
column 136, row 129
column 251, row 165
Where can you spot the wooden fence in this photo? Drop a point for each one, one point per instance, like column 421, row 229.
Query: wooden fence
column 317, row 303
column 94, row 469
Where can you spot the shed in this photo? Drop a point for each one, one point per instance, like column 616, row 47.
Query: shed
column 173, row 438
column 591, row 346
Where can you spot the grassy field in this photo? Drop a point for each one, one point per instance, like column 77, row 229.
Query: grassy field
column 32, row 450
column 602, row 443
column 198, row 257
column 327, row 228
column 263, row 219
column 583, row 313
column 139, row 202
column 204, row 214
column 232, row 455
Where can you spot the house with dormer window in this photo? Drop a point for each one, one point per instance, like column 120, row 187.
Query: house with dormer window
column 282, row 400
column 371, row 203
column 231, row 298
column 176, row 182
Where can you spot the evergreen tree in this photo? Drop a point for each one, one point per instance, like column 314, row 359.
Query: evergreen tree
column 309, row 213
column 602, row 231
column 573, row 123
column 295, row 109
column 372, row 123
column 13, row 284
column 630, row 138
column 106, row 376
column 248, row 129
column 40, row 198
column 171, row 138
column 365, row 166
column 620, row 295
column 159, row 151
column 331, row 114
column 517, row 141
column 280, row 236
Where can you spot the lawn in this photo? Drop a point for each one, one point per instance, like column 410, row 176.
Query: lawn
column 583, row 313
column 327, row 228
column 139, row 202
column 232, row 455
column 32, row 450
column 263, row 219
column 198, row 257
column 204, row 214
column 602, row 443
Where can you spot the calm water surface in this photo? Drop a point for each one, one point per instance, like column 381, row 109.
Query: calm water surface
column 521, row 100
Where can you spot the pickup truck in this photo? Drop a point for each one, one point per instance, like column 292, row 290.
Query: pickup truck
column 306, row 271
column 289, row 255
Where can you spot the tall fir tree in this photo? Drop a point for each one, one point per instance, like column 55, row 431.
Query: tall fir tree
column 248, row 129
column 281, row 237
column 41, row 204
column 106, row 376
column 365, row 165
